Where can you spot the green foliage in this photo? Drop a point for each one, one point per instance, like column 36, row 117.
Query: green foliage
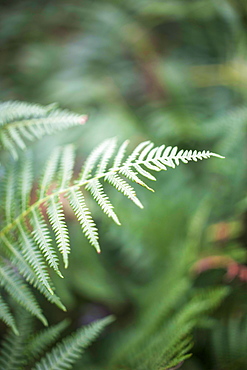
column 21, row 122
column 170, row 72
column 26, row 350
column 25, row 229
column 229, row 341
column 171, row 334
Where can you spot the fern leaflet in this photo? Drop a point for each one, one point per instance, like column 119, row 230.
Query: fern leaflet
column 24, row 121
column 65, row 354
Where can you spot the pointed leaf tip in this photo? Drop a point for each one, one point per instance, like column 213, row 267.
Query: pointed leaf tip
column 217, row 155
column 44, row 321
column 60, row 274
column 15, row 330
column 83, row 119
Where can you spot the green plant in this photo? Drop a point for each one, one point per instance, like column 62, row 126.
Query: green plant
column 229, row 341
column 31, row 351
column 30, row 221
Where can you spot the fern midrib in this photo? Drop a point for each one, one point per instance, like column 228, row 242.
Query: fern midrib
column 24, row 122
column 29, row 122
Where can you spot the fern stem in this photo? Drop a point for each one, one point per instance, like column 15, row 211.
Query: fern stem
column 30, row 122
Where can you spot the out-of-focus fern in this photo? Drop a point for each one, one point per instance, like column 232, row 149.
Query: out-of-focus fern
column 229, row 342
column 169, row 308
column 20, row 351
column 167, row 340
column 21, row 122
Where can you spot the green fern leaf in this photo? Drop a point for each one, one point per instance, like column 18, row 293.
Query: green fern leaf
column 6, row 316
column 49, row 172
column 65, row 354
column 28, row 272
column 8, row 144
column 101, row 165
column 137, row 152
column 9, row 195
column 131, row 175
column 38, row 343
column 67, row 166
column 120, row 154
column 42, row 237
column 122, row 186
column 13, row 346
column 21, row 121
column 91, row 161
column 84, row 216
column 14, row 285
column 144, row 172
column 106, row 156
column 97, row 191
column 25, row 183
column 57, row 221
column 34, row 258
column 142, row 159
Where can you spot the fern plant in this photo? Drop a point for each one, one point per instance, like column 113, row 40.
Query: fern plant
column 28, row 223
column 166, row 340
column 33, row 351
column 21, row 122
column 229, row 342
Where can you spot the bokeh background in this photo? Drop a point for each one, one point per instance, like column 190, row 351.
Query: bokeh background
column 173, row 72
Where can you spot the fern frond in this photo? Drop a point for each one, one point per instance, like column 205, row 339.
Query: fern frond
column 7, row 144
column 34, row 258
column 14, row 285
column 106, row 156
column 6, row 316
column 94, row 171
column 122, row 186
column 21, row 121
column 38, row 343
column 49, row 172
column 91, row 161
column 67, row 166
column 137, row 152
column 84, row 217
column 28, row 272
column 171, row 335
column 131, row 175
column 96, row 189
column 9, row 195
column 120, row 154
column 229, row 341
column 101, row 166
column 13, row 346
column 57, row 221
column 65, row 354
column 175, row 364
column 42, row 237
column 25, row 183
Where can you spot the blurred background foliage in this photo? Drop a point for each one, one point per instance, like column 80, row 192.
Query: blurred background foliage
column 173, row 72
